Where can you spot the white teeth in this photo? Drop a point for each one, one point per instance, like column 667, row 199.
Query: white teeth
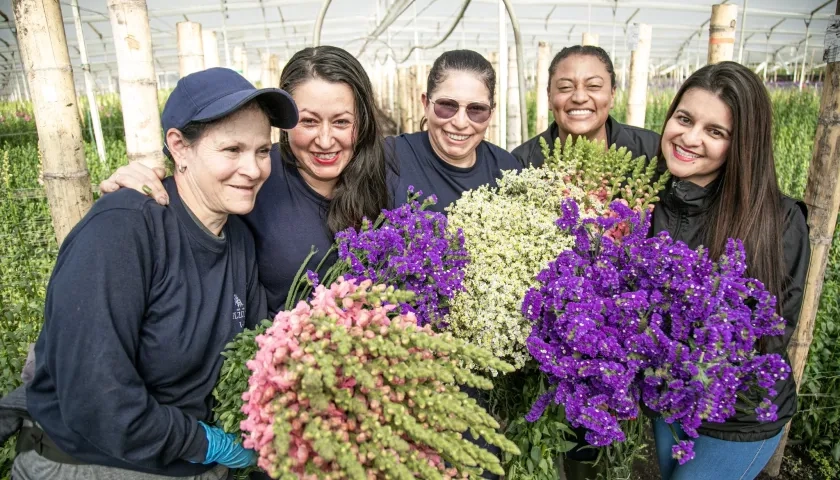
column 458, row 137
column 580, row 112
column 325, row 156
column 686, row 153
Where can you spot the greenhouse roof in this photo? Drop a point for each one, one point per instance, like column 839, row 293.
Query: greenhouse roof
column 775, row 30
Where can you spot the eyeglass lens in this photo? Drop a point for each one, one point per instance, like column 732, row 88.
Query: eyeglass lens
column 477, row 112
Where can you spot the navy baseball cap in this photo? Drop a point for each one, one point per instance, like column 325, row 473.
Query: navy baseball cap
column 217, row 92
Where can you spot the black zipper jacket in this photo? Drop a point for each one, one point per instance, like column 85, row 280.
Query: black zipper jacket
column 638, row 141
column 683, row 212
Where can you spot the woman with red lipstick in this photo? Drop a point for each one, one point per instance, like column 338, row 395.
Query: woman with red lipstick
column 581, row 92
column 452, row 156
column 327, row 173
column 718, row 147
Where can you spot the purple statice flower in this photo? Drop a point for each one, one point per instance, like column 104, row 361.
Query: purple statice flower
column 312, row 278
column 622, row 319
column 409, row 248
column 683, row 451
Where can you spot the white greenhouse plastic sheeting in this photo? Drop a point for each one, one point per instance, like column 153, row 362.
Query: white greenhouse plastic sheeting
column 775, row 30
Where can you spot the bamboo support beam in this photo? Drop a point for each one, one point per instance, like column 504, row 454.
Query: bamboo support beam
column 514, row 118
column 240, row 60
column 265, row 69
column 822, row 195
column 210, row 47
column 138, row 84
column 722, row 33
column 413, row 102
column 190, row 48
column 590, row 38
column 492, row 134
column 403, row 92
column 46, row 60
column 639, row 61
column 543, row 62
column 89, row 83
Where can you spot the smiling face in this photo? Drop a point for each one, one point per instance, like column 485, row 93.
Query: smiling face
column 455, row 139
column 581, row 96
column 324, row 139
column 697, row 137
column 227, row 165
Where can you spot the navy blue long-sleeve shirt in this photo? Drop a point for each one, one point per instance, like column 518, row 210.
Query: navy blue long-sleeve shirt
column 288, row 219
column 421, row 167
column 139, row 307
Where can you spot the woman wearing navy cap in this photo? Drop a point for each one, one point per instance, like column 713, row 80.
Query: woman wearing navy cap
column 143, row 299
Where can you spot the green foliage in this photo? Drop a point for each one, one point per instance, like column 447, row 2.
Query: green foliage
column 616, row 175
column 541, row 442
column 26, row 232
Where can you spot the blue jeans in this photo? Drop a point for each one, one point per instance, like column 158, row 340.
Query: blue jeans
column 714, row 459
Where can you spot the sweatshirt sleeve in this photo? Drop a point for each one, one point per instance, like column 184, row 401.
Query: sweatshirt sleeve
column 95, row 309
column 257, row 306
column 797, row 252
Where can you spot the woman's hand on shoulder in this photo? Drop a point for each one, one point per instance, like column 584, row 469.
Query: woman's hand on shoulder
column 140, row 177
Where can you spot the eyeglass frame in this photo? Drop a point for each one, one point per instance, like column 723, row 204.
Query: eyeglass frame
column 460, row 106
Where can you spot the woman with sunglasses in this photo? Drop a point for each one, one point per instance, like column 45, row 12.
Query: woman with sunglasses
column 581, row 92
column 452, row 157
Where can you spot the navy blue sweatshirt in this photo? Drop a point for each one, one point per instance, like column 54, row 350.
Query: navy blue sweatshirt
column 288, row 219
column 139, row 307
column 421, row 167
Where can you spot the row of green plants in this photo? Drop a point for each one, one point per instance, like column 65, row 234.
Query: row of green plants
column 30, row 248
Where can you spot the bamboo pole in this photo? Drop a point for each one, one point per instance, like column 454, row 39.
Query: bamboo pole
column 822, row 195
column 137, row 81
column 493, row 130
column 514, row 118
column 391, row 87
column 46, row 60
column 639, row 61
column 274, row 62
column 422, row 77
column 590, row 38
column 210, row 47
column 501, row 72
column 722, row 33
column 543, row 62
column 240, row 60
column 265, row 70
column 413, row 94
column 403, row 92
column 94, row 109
column 804, row 55
column 190, row 48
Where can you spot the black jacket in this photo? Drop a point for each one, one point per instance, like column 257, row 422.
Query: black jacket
column 638, row 141
column 683, row 212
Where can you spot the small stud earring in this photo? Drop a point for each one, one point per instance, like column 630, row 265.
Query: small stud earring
column 181, row 168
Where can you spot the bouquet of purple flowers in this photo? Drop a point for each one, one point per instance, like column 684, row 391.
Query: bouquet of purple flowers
column 622, row 319
column 407, row 247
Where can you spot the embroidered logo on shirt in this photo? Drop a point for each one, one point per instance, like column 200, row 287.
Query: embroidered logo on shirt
column 238, row 310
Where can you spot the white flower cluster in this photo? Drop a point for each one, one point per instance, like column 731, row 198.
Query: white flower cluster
column 511, row 235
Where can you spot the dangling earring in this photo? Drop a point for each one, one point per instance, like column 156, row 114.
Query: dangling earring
column 181, row 168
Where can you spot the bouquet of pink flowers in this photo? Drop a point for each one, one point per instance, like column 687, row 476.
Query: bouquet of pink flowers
column 343, row 387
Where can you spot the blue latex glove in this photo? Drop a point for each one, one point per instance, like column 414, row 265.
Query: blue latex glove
column 222, row 448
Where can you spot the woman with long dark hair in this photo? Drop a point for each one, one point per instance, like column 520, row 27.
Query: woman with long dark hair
column 717, row 145
column 327, row 173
